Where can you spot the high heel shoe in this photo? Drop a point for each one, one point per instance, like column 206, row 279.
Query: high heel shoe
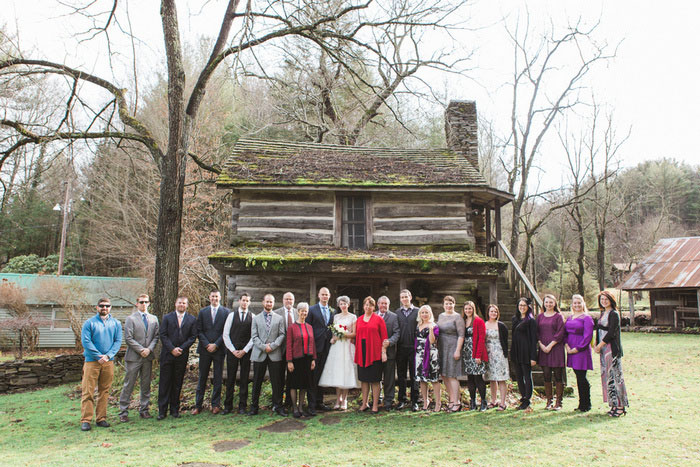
column 456, row 407
column 617, row 412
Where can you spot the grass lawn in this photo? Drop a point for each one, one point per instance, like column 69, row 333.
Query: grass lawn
column 662, row 373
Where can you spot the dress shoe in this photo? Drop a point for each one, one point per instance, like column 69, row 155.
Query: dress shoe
column 402, row 405
column 296, row 414
column 323, row 407
column 280, row 411
column 145, row 415
column 253, row 411
column 309, row 412
column 196, row 411
column 242, row 410
column 161, row 416
column 85, row 426
column 388, row 408
column 103, row 424
column 216, row 410
column 175, row 414
column 225, row 412
column 415, row 408
column 123, row 418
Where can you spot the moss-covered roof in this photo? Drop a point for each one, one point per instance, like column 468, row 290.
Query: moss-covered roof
column 261, row 259
column 282, row 163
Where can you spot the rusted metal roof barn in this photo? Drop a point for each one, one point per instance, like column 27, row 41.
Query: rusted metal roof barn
column 671, row 274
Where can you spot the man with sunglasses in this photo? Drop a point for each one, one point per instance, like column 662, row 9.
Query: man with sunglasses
column 141, row 336
column 101, row 338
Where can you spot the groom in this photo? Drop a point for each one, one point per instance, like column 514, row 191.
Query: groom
column 320, row 316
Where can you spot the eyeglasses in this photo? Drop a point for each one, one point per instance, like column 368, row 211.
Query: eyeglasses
column 141, row 302
column 102, row 305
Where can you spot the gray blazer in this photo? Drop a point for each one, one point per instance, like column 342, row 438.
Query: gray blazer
column 260, row 337
column 393, row 334
column 137, row 338
column 280, row 311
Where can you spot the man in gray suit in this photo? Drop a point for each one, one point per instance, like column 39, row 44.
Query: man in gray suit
column 389, row 367
column 267, row 334
column 141, row 335
column 289, row 314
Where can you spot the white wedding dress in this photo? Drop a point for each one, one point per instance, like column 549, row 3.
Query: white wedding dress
column 340, row 370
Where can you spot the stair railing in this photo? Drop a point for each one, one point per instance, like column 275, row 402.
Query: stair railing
column 517, row 279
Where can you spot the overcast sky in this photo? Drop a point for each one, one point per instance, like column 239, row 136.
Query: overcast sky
column 652, row 83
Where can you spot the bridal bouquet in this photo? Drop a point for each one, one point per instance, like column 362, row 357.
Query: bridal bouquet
column 338, row 330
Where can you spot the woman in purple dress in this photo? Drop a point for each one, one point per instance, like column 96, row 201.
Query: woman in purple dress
column 579, row 333
column 550, row 331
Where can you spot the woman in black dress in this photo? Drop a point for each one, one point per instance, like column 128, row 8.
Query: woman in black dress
column 523, row 351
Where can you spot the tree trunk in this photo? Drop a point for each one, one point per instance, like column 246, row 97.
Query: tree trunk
column 600, row 259
column 514, row 228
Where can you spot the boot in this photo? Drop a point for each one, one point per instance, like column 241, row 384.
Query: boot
column 560, row 395
column 484, row 406
column 548, row 394
column 585, row 398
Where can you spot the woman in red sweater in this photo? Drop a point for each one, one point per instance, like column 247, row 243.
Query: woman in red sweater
column 301, row 358
column 474, row 355
column 370, row 352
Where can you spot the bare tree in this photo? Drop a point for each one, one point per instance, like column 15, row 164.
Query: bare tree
column 244, row 27
column 547, row 77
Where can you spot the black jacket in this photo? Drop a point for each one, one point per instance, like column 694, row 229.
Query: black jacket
column 524, row 346
column 503, row 337
column 613, row 333
column 172, row 336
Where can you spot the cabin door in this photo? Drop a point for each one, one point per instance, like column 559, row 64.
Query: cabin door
column 357, row 293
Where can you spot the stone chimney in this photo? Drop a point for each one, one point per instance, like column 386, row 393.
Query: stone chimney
column 461, row 130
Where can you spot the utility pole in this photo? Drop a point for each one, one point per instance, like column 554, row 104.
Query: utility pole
column 64, row 229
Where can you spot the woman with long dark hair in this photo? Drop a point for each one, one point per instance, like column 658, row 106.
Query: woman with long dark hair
column 579, row 333
column 552, row 359
column 523, row 349
column 474, row 355
column 609, row 347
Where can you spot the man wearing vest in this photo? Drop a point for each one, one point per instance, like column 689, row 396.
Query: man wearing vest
column 405, row 352
column 238, row 342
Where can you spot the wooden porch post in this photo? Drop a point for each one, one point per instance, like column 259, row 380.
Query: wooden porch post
column 487, row 215
column 630, row 299
column 493, row 291
column 222, row 286
column 312, row 290
column 497, row 216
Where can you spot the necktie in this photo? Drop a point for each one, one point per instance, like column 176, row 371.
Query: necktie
column 179, row 320
column 267, row 321
column 213, row 315
column 325, row 314
column 289, row 318
column 145, row 321
column 242, row 316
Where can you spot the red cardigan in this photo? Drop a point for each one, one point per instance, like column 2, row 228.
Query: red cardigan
column 479, row 339
column 295, row 344
column 373, row 333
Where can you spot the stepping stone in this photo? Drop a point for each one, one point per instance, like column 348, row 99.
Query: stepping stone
column 284, row 426
column 230, row 445
column 331, row 419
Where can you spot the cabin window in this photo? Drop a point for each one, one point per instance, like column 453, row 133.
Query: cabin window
column 354, row 223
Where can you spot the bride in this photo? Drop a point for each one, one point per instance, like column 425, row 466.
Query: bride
column 340, row 371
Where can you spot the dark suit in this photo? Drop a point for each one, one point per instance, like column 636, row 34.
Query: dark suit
column 389, row 367
column 239, row 338
column 322, row 339
column 211, row 332
column 172, row 368
column 406, row 354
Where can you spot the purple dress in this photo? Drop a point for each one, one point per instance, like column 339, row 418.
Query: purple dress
column 579, row 332
column 551, row 329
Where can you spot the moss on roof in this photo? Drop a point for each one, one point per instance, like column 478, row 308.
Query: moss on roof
column 309, row 259
column 279, row 163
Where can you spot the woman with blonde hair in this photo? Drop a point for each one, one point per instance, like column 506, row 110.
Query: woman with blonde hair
column 427, row 360
column 579, row 333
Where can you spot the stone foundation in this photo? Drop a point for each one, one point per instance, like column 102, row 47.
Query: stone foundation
column 21, row 375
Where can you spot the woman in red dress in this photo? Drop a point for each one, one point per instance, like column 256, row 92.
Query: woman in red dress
column 370, row 352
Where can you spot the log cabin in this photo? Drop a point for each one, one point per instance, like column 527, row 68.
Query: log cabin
column 363, row 220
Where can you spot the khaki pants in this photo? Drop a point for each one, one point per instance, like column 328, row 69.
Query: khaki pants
column 100, row 375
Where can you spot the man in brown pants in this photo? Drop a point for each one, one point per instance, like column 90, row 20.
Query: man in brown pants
column 101, row 337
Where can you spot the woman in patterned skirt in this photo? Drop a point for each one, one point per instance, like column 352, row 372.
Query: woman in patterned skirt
column 497, row 372
column 427, row 360
column 609, row 347
column 474, row 356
